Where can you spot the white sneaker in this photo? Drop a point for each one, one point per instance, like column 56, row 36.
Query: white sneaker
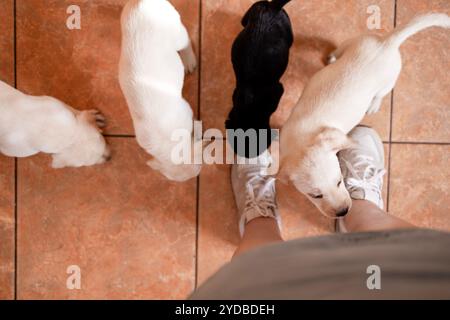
column 363, row 167
column 254, row 191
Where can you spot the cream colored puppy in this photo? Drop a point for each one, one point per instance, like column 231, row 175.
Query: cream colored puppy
column 156, row 51
column 29, row 125
column 363, row 71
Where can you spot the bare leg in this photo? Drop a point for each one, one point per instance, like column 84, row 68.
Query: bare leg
column 258, row 232
column 366, row 216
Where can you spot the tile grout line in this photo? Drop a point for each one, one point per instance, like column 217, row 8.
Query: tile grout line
column 15, row 226
column 421, row 143
column 15, row 159
column 15, row 44
column 112, row 135
column 197, row 228
column 390, row 129
column 199, row 89
column 389, row 156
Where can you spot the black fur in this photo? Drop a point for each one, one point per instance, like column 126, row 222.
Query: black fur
column 260, row 56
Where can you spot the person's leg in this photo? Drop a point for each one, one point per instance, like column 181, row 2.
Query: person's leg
column 363, row 170
column 254, row 192
column 258, row 232
column 366, row 216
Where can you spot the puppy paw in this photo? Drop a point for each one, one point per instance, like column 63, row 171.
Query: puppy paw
column 96, row 118
column 189, row 60
column 190, row 65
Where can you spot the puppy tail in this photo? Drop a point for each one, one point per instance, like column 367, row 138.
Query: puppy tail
column 419, row 23
column 279, row 4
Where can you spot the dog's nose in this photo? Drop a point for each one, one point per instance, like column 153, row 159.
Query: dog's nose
column 342, row 212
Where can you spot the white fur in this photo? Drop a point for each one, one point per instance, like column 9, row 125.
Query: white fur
column 363, row 71
column 151, row 77
column 29, row 125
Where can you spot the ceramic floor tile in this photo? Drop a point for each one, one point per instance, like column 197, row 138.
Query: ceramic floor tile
column 6, row 164
column 386, row 176
column 80, row 67
column 6, row 228
column 7, row 41
column 318, row 26
column 421, row 103
column 218, row 221
column 130, row 230
column 419, row 191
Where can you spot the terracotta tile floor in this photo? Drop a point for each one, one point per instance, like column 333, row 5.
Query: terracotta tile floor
column 136, row 235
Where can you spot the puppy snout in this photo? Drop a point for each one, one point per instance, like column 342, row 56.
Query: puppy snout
column 342, row 212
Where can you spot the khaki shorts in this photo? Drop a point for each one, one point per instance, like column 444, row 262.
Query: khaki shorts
column 403, row 264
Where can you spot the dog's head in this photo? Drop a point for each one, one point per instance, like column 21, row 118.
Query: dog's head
column 262, row 9
column 315, row 172
column 88, row 147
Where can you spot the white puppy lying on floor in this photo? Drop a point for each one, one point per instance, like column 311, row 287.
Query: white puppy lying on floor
column 155, row 45
column 29, row 125
column 335, row 100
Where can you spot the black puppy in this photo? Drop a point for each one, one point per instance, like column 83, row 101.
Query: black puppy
column 260, row 56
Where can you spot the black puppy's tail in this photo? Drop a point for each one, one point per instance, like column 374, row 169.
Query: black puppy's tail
column 279, row 4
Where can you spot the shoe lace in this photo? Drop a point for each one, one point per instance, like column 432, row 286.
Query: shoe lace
column 260, row 194
column 362, row 174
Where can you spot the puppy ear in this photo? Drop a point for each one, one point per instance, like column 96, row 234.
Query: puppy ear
column 334, row 139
